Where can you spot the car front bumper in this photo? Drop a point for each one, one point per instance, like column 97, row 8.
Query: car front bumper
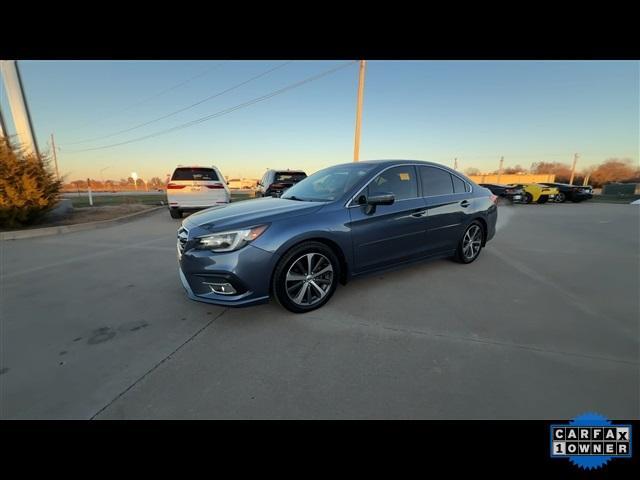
column 248, row 270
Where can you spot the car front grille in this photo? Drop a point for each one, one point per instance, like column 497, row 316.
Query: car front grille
column 183, row 236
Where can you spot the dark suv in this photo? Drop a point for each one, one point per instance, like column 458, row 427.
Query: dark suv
column 274, row 182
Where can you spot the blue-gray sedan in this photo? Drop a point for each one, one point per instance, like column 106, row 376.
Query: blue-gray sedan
column 344, row 221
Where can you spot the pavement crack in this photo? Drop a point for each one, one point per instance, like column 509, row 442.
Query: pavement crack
column 152, row 369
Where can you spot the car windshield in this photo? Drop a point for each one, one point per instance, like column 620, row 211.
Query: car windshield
column 328, row 184
column 289, row 176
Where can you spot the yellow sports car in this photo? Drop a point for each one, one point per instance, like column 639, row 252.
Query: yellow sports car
column 534, row 192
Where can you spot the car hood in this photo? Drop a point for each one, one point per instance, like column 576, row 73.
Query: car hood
column 247, row 213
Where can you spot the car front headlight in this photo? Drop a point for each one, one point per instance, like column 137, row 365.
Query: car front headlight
column 229, row 241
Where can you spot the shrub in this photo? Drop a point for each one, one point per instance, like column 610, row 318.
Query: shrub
column 28, row 188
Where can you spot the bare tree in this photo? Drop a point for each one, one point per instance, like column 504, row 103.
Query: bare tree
column 615, row 170
column 562, row 171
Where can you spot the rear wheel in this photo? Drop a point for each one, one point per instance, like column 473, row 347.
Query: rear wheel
column 561, row 197
column 528, row 198
column 543, row 199
column 470, row 244
column 175, row 213
column 306, row 277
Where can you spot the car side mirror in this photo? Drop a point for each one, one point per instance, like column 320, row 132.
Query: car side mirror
column 370, row 203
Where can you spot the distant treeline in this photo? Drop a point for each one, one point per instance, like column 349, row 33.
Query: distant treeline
column 611, row 170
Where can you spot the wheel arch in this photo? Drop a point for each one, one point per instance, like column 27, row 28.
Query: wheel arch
column 485, row 227
column 332, row 244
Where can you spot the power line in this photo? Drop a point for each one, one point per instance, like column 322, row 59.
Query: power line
column 225, row 111
column 145, row 100
column 175, row 112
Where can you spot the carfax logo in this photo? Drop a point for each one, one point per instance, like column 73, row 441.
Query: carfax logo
column 590, row 441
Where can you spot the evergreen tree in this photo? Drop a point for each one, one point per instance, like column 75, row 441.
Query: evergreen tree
column 28, row 187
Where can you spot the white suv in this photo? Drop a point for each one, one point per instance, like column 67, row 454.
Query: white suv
column 196, row 188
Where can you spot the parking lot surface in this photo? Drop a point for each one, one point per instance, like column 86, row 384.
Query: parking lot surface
column 544, row 325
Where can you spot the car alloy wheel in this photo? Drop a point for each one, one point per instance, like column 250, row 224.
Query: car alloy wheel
column 471, row 242
column 306, row 277
column 528, row 198
column 560, row 198
column 309, row 279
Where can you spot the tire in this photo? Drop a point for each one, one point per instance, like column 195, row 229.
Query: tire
column 543, row 199
column 292, row 272
column 175, row 213
column 473, row 233
column 528, row 198
column 561, row 198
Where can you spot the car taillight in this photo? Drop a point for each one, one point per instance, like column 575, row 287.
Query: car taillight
column 494, row 199
column 174, row 186
column 215, row 186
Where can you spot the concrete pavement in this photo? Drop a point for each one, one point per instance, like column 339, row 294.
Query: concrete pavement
column 544, row 324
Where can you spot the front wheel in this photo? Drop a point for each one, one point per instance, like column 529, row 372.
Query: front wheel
column 560, row 198
column 175, row 213
column 528, row 198
column 306, row 277
column 470, row 243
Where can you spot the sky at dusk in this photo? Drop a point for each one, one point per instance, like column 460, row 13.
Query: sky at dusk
column 427, row 110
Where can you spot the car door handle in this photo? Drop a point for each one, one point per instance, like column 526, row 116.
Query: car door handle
column 465, row 203
column 419, row 214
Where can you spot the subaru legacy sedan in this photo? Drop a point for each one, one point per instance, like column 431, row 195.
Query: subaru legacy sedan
column 339, row 223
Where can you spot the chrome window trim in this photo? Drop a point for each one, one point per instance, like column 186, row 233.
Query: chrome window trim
column 347, row 204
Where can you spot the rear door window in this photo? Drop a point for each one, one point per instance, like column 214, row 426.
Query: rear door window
column 189, row 173
column 435, row 181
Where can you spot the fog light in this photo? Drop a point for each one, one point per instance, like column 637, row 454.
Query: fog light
column 221, row 288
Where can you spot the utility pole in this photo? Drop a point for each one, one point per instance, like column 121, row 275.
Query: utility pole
column 573, row 168
column 356, row 147
column 18, row 106
column 55, row 157
column 500, row 169
column 455, row 163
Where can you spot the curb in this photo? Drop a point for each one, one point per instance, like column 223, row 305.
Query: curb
column 78, row 227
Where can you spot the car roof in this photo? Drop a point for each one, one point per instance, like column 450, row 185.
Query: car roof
column 399, row 161
column 195, row 166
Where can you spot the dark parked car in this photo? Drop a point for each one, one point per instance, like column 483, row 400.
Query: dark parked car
column 341, row 222
column 274, row 182
column 575, row 193
column 513, row 193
